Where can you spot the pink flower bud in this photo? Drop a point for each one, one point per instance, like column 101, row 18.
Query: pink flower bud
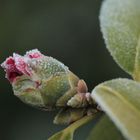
column 18, row 65
column 39, row 80
column 46, row 83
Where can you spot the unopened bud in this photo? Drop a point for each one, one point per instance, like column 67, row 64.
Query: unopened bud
column 39, row 80
column 46, row 83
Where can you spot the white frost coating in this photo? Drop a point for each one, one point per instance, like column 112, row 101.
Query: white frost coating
column 32, row 52
column 60, row 63
column 4, row 65
column 120, row 24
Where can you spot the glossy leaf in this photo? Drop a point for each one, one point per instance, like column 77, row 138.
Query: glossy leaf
column 120, row 24
column 67, row 134
column 120, row 99
column 105, row 130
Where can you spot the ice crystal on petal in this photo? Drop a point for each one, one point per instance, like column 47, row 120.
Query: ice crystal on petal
column 10, row 68
column 34, row 54
column 21, row 64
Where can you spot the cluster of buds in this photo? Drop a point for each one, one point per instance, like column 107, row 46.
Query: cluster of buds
column 46, row 83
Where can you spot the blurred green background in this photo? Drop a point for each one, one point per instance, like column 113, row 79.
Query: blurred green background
column 65, row 29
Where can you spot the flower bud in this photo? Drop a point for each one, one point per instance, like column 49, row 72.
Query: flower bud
column 39, row 80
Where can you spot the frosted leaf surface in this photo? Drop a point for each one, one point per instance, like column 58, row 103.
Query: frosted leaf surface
column 120, row 24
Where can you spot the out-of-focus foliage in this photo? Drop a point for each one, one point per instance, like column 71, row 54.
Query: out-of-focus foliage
column 67, row 30
column 105, row 130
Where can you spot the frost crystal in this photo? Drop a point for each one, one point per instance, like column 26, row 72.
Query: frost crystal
column 19, row 65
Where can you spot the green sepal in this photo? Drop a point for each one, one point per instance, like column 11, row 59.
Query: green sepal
column 69, row 115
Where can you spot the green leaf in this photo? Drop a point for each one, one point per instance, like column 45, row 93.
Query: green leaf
column 105, row 130
column 63, row 135
column 67, row 134
column 120, row 24
column 120, row 99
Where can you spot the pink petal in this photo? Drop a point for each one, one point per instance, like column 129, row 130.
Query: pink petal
column 9, row 64
column 21, row 64
column 34, row 54
column 18, row 65
column 10, row 68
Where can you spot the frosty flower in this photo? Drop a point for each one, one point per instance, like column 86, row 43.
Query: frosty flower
column 18, row 65
column 39, row 80
column 46, row 83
